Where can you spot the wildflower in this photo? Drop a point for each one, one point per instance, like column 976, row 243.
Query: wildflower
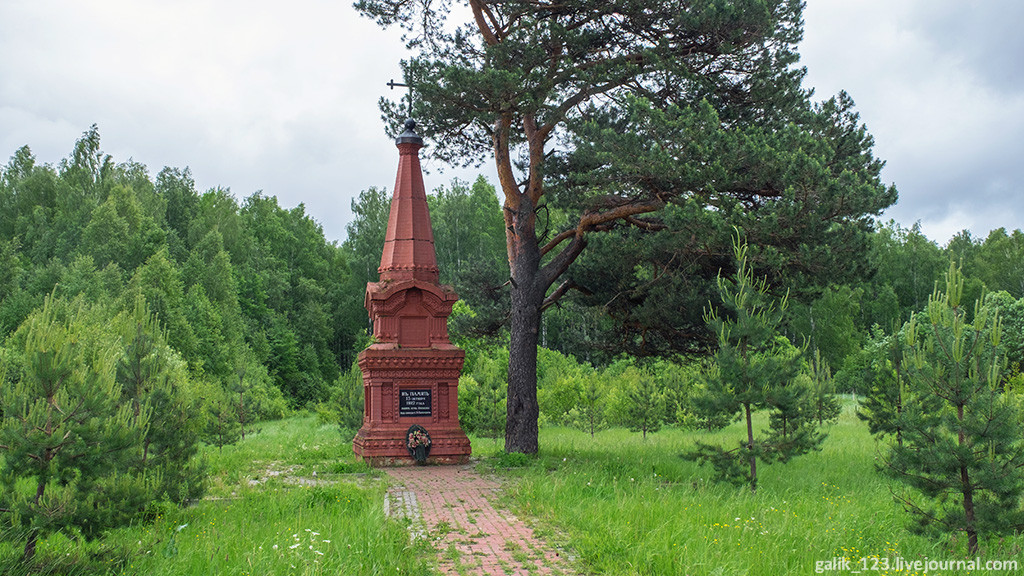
column 275, row 546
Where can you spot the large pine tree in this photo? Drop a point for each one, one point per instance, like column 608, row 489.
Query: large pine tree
column 531, row 82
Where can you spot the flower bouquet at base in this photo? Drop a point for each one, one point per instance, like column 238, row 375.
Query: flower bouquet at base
column 417, row 440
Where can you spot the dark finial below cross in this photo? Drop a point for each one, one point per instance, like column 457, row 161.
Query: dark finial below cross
column 409, row 135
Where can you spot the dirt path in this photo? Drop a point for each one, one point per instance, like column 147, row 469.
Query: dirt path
column 454, row 502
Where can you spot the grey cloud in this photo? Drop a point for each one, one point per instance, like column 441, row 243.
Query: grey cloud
column 984, row 35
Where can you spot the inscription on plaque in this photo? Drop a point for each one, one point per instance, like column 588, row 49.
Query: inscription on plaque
column 414, row 402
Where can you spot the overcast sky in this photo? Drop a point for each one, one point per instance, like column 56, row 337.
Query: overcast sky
column 282, row 96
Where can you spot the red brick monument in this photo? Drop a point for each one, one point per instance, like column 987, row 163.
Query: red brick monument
column 411, row 371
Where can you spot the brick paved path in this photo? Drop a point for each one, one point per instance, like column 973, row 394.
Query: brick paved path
column 474, row 538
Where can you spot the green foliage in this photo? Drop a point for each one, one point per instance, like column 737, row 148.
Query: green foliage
column 828, row 325
column 262, row 399
column 962, row 452
column 910, row 264
column 469, row 238
column 644, row 407
column 258, row 514
column 655, row 277
column 641, row 396
column 221, row 415
column 629, row 506
column 366, row 231
column 678, row 380
column 467, row 227
column 824, row 402
column 880, row 375
column 82, row 277
column 997, row 261
column 589, row 414
column 469, row 241
column 155, row 380
column 290, row 279
column 560, row 380
column 655, row 106
column 511, row 460
column 755, row 369
column 1011, row 313
column 178, row 189
column 229, row 283
column 255, row 396
column 482, row 391
column 345, row 407
column 118, row 231
column 158, row 282
column 70, row 445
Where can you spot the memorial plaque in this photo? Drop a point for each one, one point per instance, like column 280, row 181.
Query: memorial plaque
column 415, row 403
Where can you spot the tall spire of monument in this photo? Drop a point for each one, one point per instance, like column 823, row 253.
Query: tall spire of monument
column 409, row 243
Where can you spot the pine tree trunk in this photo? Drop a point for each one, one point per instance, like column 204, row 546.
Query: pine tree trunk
column 522, row 408
column 30, row 546
column 527, row 297
column 968, row 492
column 899, row 403
column 750, row 446
column 241, row 409
column 899, row 420
column 969, row 517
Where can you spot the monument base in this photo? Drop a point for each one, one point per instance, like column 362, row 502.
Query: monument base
column 385, row 446
column 405, row 387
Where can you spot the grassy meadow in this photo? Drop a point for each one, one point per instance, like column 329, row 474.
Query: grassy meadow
column 624, row 505
column 292, row 499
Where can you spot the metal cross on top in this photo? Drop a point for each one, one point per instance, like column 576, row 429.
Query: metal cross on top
column 392, row 84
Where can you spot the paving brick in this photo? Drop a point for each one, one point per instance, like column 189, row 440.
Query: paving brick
column 456, row 501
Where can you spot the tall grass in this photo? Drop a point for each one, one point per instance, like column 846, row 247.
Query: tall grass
column 291, row 499
column 624, row 505
column 616, row 503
